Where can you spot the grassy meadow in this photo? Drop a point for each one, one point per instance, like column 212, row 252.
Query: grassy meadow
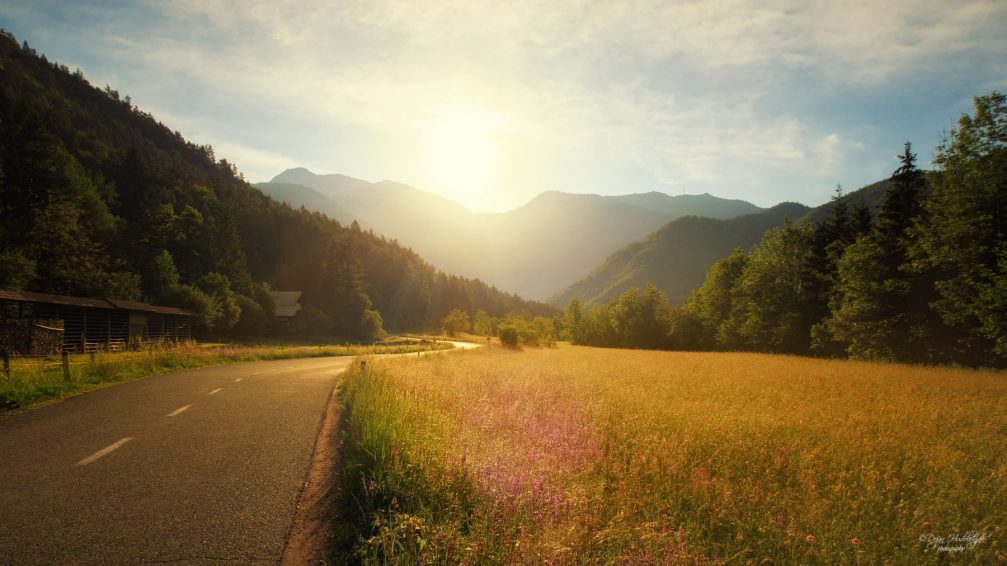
column 593, row 456
column 36, row 380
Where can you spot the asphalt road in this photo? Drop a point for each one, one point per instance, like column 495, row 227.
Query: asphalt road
column 198, row 467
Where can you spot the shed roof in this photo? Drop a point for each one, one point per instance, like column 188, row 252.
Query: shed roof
column 286, row 303
column 135, row 306
column 32, row 297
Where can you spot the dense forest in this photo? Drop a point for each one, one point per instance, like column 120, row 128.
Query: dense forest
column 99, row 199
column 923, row 280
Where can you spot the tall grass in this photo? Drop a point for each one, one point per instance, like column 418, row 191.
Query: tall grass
column 35, row 380
column 584, row 455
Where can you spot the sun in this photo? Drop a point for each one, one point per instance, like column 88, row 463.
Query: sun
column 463, row 152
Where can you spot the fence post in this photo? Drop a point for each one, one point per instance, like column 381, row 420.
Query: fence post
column 92, row 358
column 6, row 364
column 66, row 366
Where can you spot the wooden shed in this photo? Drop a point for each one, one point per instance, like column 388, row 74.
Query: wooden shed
column 98, row 324
column 286, row 303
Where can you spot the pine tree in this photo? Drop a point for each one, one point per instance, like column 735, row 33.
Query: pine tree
column 962, row 240
column 875, row 311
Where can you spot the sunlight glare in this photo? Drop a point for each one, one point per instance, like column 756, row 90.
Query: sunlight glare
column 462, row 152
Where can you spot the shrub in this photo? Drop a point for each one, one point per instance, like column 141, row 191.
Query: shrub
column 370, row 326
column 508, row 335
column 456, row 321
column 253, row 320
column 312, row 321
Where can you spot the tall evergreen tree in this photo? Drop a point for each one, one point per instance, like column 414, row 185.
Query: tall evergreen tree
column 876, row 311
column 831, row 237
column 962, row 240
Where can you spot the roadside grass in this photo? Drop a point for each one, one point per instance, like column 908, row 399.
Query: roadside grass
column 461, row 337
column 584, row 456
column 38, row 380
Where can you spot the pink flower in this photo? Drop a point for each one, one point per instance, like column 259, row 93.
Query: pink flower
column 810, row 538
column 855, row 540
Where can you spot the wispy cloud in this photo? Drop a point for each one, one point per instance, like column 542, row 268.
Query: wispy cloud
column 740, row 98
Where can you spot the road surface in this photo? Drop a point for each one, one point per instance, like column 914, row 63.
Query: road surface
column 198, row 467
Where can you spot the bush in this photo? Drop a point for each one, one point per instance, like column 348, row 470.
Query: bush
column 310, row 321
column 528, row 336
column 456, row 321
column 253, row 320
column 508, row 335
column 191, row 298
column 370, row 326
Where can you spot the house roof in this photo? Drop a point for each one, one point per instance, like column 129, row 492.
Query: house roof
column 32, row 297
column 287, row 303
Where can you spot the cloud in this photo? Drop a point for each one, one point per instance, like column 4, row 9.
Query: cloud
column 690, row 94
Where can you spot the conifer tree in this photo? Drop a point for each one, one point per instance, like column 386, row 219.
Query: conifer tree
column 962, row 240
column 874, row 310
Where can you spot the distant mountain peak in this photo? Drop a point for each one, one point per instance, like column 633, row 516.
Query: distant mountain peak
column 505, row 248
column 308, row 178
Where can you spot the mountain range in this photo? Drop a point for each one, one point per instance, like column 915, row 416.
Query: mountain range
column 589, row 247
column 532, row 250
column 676, row 257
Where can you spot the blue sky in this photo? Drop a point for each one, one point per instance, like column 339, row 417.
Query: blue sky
column 490, row 103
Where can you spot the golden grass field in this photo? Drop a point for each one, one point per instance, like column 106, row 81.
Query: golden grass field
column 585, row 455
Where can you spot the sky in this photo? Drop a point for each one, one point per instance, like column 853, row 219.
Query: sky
column 490, row 103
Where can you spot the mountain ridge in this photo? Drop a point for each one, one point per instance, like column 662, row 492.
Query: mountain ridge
column 645, row 261
column 676, row 256
column 533, row 249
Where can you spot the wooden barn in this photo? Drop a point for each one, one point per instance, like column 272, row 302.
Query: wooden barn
column 87, row 324
column 286, row 304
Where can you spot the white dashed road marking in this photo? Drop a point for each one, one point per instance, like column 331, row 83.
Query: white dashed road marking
column 215, row 391
column 237, row 379
column 178, row 410
column 104, row 451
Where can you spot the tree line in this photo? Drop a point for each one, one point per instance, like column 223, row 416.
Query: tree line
column 99, row 199
column 514, row 328
column 924, row 280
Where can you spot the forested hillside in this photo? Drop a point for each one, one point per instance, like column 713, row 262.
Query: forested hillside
column 676, row 257
column 99, row 199
column 922, row 280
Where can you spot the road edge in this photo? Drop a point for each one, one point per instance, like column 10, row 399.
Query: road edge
column 314, row 520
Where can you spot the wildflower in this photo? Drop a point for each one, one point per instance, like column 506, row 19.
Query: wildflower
column 855, row 540
column 810, row 538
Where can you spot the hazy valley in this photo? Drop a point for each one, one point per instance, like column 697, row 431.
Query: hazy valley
column 533, row 250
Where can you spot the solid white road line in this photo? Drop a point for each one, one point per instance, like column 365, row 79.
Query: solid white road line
column 178, row 410
column 215, row 391
column 104, row 451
